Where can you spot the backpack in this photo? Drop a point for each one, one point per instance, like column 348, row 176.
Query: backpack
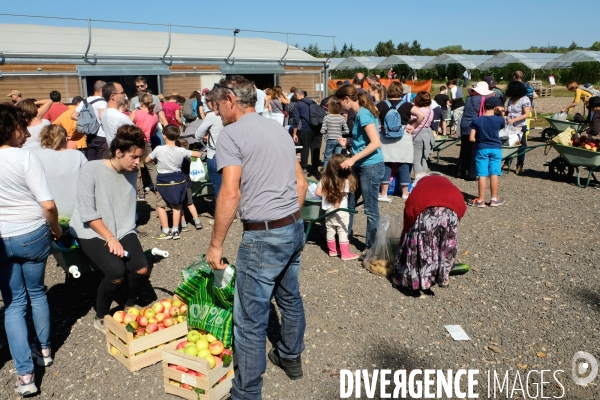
column 190, row 109
column 530, row 90
column 316, row 113
column 87, row 122
column 392, row 123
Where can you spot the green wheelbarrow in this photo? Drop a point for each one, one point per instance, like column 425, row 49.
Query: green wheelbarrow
column 442, row 143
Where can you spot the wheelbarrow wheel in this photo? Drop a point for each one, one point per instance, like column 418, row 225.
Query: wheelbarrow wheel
column 560, row 169
column 549, row 133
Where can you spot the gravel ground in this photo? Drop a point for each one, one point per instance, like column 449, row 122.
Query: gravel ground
column 531, row 294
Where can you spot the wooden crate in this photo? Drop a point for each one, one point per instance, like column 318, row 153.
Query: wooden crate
column 117, row 335
column 211, row 376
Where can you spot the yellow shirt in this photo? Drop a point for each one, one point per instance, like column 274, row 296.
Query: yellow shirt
column 74, row 138
column 581, row 94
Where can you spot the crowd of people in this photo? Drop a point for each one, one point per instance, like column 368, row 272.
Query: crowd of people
column 93, row 160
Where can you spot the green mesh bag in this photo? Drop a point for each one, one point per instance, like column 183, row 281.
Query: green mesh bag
column 209, row 295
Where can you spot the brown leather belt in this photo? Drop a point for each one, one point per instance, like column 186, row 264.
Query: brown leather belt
column 267, row 225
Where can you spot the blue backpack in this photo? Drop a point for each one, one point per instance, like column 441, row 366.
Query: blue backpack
column 392, row 123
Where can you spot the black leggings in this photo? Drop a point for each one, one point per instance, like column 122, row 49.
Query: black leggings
column 310, row 142
column 115, row 269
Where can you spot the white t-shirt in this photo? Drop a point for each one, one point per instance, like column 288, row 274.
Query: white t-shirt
column 97, row 106
column 62, row 170
column 260, row 101
column 33, row 142
column 113, row 119
column 23, row 186
column 169, row 158
column 325, row 205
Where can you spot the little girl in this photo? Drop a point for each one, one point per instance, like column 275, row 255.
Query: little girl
column 334, row 126
column 334, row 187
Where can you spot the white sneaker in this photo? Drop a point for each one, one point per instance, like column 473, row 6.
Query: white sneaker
column 385, row 199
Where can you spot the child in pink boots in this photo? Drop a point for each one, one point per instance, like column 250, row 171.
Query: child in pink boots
column 334, row 187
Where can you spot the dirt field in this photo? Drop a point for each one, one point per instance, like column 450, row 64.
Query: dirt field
column 530, row 301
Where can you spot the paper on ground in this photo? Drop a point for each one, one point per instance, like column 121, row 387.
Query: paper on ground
column 457, row 332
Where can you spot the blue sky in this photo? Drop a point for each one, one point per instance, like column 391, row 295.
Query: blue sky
column 472, row 24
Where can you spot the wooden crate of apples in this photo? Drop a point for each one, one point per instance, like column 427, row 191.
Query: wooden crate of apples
column 200, row 368
column 137, row 337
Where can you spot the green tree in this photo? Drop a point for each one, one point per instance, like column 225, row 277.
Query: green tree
column 573, row 46
column 385, row 49
column 595, row 46
column 313, row 50
column 415, row 48
column 403, row 49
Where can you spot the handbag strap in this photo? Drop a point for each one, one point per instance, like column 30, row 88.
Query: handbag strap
column 279, row 108
column 424, row 119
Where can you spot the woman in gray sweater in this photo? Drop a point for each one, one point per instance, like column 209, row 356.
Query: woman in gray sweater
column 104, row 220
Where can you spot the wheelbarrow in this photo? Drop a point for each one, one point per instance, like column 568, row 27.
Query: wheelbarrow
column 312, row 212
column 510, row 152
column 570, row 159
column 558, row 125
column 75, row 262
column 442, row 143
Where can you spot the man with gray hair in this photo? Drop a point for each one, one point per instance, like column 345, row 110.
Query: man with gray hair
column 261, row 178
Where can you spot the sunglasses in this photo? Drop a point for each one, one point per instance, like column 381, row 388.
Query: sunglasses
column 224, row 87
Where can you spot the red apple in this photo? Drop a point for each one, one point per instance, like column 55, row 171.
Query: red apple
column 129, row 318
column 174, row 311
column 140, row 331
column 158, row 307
column 181, row 368
column 173, row 366
column 216, row 347
column 151, row 328
column 186, row 386
column 167, row 322
column 181, row 345
column 142, row 321
column 183, row 309
column 119, row 316
column 161, row 327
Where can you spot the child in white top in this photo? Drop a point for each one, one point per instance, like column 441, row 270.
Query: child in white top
column 334, row 187
column 171, row 181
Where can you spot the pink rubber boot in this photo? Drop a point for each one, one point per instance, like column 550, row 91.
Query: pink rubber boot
column 346, row 253
column 331, row 247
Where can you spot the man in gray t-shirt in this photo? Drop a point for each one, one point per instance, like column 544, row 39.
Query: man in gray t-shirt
column 257, row 160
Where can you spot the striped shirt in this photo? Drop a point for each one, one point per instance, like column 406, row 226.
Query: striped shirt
column 333, row 126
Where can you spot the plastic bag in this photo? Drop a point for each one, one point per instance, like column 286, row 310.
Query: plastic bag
column 514, row 138
column 562, row 116
column 197, row 173
column 209, row 295
column 379, row 259
column 310, row 193
column 509, row 130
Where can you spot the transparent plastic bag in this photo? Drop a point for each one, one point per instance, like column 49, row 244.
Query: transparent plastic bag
column 562, row 116
column 379, row 258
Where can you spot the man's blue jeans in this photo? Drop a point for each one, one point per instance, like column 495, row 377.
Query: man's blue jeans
column 369, row 181
column 332, row 146
column 215, row 177
column 22, row 268
column 268, row 264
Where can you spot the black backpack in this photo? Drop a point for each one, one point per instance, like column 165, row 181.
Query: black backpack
column 316, row 113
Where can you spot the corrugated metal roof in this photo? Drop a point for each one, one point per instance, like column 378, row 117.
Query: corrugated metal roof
column 71, row 41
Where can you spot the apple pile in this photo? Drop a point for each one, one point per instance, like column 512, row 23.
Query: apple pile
column 160, row 315
column 205, row 345
column 586, row 142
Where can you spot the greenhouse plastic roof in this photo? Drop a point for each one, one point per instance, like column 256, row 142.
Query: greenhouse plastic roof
column 359, row 62
column 334, row 62
column 414, row 62
column 471, row 61
column 566, row 60
column 531, row 60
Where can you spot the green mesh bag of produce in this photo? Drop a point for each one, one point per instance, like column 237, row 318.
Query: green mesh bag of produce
column 209, row 295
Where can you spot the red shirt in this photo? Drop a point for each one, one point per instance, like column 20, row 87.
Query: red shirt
column 56, row 109
column 170, row 107
column 432, row 191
